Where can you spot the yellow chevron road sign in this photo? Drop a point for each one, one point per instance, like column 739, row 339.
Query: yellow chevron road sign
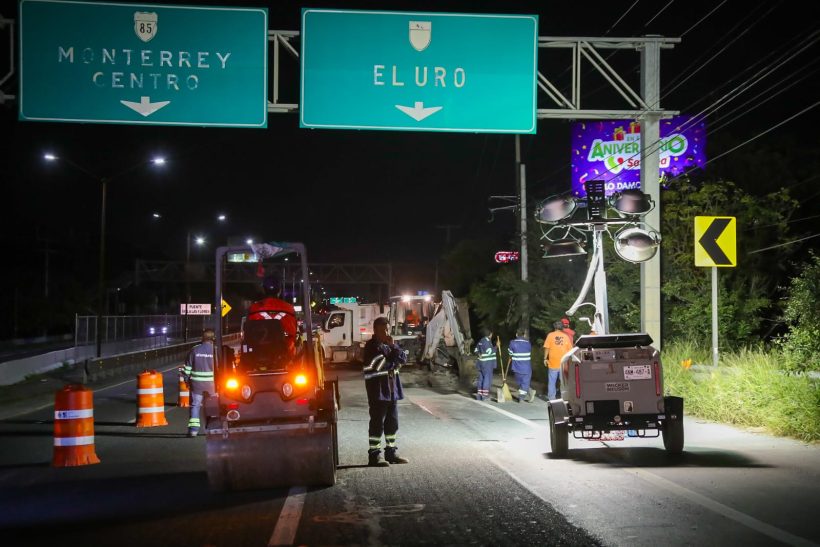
column 716, row 242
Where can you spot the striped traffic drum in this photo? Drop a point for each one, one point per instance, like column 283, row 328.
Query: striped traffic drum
column 74, row 427
column 150, row 399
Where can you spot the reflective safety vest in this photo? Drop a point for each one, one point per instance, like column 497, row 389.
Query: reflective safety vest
column 520, row 352
column 199, row 368
column 485, row 351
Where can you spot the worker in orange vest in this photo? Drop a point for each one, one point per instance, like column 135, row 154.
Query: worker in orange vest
column 556, row 345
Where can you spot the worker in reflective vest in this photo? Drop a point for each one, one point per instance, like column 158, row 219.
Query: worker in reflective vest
column 485, row 364
column 382, row 360
column 520, row 350
column 199, row 374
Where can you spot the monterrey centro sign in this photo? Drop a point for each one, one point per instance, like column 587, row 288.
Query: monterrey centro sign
column 611, row 151
column 143, row 64
column 416, row 71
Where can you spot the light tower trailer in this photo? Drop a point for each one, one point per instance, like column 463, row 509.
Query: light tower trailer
column 614, row 383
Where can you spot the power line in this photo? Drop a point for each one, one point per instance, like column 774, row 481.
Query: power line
column 783, row 244
column 792, row 221
column 748, row 141
column 744, row 143
column 635, row 3
column 685, row 32
column 713, row 57
column 761, row 103
column 731, row 95
column 657, row 14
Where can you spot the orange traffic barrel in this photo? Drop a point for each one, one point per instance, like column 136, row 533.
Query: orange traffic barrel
column 74, row 427
column 150, row 399
column 184, row 400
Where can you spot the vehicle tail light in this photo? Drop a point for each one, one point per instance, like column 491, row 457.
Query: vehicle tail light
column 231, row 383
column 656, row 370
column 302, row 401
column 577, row 381
column 232, row 406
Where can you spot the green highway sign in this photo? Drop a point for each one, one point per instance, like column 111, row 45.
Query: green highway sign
column 415, row 71
column 343, row 300
column 143, row 64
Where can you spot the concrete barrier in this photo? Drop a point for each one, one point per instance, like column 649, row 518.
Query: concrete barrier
column 82, row 359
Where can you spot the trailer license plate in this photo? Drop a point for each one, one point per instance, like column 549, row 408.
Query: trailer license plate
column 638, row 372
column 617, row 386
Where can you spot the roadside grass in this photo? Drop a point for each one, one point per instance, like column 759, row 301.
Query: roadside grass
column 750, row 388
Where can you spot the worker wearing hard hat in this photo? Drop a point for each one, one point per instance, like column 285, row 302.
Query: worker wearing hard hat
column 382, row 360
column 520, row 351
column 567, row 329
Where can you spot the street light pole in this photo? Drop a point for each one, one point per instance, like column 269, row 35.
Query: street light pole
column 187, row 280
column 104, row 188
column 101, row 276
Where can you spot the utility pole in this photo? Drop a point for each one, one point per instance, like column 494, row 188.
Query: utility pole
column 448, row 230
column 521, row 175
column 650, row 184
column 101, row 277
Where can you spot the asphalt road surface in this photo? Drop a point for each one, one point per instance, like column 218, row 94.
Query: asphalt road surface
column 480, row 474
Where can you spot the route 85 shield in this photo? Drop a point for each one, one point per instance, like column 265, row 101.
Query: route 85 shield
column 145, row 25
column 420, row 33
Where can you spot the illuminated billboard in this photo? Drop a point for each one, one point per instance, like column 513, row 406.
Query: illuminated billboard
column 611, row 151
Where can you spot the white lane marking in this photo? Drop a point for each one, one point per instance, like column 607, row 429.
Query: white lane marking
column 510, row 415
column 288, row 523
column 699, row 499
column 751, row 522
column 424, row 408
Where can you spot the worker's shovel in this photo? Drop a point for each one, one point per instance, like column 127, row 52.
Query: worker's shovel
column 503, row 394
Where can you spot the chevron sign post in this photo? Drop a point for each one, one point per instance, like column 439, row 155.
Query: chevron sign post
column 715, row 247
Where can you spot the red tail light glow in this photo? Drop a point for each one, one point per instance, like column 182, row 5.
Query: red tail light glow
column 656, row 369
column 302, row 401
column 577, row 381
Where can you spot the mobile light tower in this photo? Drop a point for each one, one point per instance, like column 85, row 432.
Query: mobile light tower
column 567, row 222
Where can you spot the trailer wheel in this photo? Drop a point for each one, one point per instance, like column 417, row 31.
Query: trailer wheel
column 559, row 437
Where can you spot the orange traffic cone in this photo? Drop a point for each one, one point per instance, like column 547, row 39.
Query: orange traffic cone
column 74, row 427
column 150, row 399
column 184, row 393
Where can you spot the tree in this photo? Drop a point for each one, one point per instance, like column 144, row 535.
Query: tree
column 745, row 292
column 801, row 345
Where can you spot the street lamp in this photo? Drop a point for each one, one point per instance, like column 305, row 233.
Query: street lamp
column 51, row 157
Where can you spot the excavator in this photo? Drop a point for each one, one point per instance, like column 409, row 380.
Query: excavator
column 272, row 422
column 436, row 336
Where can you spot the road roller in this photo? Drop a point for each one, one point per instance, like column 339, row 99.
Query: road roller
column 272, row 422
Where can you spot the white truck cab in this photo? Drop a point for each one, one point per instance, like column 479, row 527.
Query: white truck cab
column 345, row 331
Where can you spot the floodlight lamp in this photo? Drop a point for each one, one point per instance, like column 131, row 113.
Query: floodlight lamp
column 405, row 298
column 631, row 202
column 635, row 244
column 563, row 248
column 555, row 209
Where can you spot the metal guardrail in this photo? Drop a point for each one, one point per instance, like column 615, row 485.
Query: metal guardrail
column 106, row 368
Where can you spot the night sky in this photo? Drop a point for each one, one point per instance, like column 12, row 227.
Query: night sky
column 370, row 196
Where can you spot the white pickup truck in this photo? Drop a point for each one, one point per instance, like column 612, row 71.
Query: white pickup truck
column 345, row 331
